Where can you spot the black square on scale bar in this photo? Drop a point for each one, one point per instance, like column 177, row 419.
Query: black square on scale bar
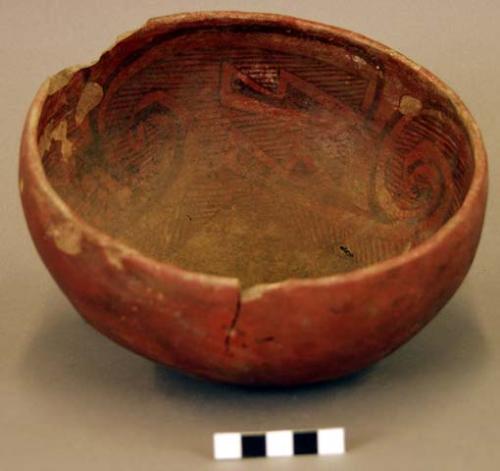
column 253, row 446
column 305, row 443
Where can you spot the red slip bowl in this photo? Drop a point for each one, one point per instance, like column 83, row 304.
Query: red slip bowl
column 253, row 198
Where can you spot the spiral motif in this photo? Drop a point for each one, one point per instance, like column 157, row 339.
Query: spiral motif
column 414, row 178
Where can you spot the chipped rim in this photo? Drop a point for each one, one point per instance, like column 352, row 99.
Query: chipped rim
column 50, row 196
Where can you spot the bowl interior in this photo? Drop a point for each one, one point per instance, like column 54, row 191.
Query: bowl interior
column 256, row 151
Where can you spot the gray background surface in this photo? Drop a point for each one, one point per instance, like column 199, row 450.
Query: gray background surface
column 72, row 400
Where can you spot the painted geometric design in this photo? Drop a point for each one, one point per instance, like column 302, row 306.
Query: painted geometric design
column 218, row 157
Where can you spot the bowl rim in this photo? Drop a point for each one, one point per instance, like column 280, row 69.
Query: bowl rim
column 30, row 153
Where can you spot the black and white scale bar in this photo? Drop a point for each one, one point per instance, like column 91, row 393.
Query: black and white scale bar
column 279, row 443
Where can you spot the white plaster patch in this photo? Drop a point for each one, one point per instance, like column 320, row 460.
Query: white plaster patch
column 67, row 237
column 114, row 257
column 90, row 97
column 56, row 132
column 409, row 105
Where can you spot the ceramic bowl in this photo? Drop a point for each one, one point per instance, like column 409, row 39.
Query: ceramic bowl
column 253, row 198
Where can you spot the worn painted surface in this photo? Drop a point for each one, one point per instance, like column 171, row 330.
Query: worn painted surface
column 386, row 183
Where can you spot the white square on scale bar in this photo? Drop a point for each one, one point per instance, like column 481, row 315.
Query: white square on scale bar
column 227, row 446
column 279, row 443
column 331, row 441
